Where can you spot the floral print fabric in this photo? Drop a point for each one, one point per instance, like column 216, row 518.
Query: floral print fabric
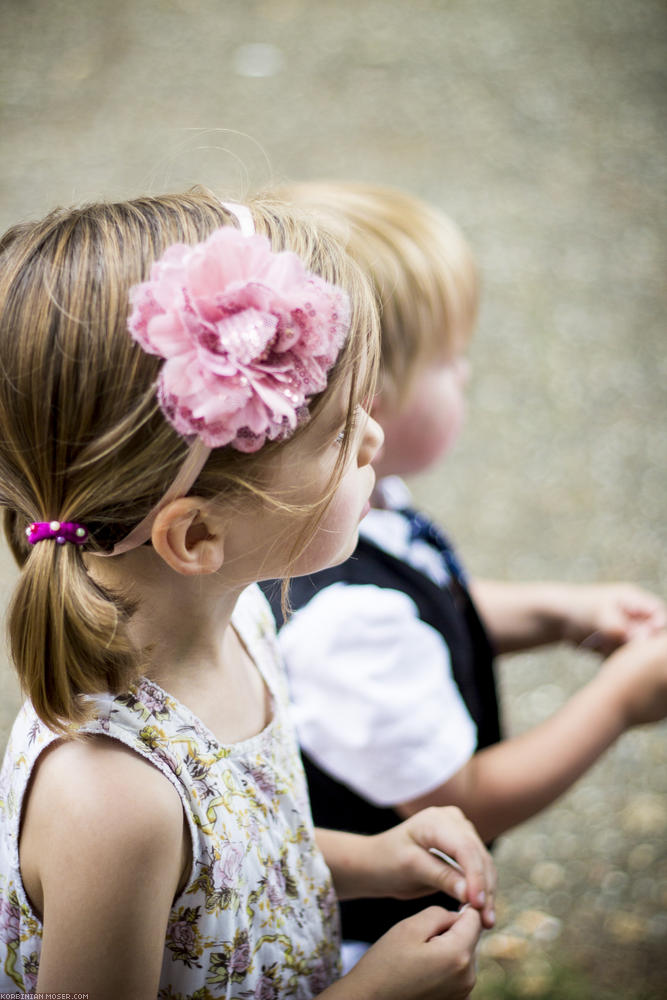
column 258, row 918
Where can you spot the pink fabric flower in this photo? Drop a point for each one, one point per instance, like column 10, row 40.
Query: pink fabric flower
column 248, row 336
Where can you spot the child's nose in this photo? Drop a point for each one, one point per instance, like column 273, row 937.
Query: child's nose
column 373, row 439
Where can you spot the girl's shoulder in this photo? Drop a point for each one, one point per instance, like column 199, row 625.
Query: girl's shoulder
column 99, row 783
column 54, row 788
column 95, row 800
column 103, row 852
column 94, row 773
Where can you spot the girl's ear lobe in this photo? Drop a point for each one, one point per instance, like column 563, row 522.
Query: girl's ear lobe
column 185, row 538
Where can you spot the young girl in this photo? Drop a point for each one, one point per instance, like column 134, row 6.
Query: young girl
column 156, row 837
column 390, row 655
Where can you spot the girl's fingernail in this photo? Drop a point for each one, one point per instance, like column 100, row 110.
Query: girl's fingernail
column 481, row 898
column 491, row 916
column 460, row 889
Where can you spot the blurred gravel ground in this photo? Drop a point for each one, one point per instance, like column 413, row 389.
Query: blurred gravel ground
column 539, row 125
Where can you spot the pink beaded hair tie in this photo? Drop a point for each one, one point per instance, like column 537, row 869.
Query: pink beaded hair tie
column 58, row 531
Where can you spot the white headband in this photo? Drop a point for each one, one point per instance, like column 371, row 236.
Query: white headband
column 243, row 216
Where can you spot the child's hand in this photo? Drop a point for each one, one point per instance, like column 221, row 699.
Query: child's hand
column 406, row 869
column 639, row 673
column 605, row 616
column 428, row 956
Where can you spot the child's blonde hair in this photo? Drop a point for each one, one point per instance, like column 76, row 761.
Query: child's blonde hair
column 83, row 438
column 420, row 264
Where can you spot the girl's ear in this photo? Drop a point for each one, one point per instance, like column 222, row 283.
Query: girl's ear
column 188, row 538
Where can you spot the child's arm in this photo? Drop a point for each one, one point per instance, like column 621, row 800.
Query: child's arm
column 398, row 862
column 505, row 784
column 600, row 616
column 102, row 851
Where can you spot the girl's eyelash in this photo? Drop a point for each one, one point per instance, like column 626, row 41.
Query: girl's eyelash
column 348, row 429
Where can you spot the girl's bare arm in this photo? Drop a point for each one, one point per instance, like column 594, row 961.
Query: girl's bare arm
column 103, row 848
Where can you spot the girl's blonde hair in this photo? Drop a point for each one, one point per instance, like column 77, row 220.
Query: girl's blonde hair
column 83, row 438
column 419, row 262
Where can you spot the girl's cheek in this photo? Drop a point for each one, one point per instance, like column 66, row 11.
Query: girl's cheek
column 464, row 371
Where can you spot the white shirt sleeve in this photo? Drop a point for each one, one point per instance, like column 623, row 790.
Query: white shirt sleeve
column 375, row 703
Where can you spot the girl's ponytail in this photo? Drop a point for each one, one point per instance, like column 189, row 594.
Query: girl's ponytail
column 68, row 636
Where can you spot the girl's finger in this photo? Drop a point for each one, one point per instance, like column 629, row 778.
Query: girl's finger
column 452, row 880
column 472, row 876
column 431, row 922
column 460, row 939
column 446, row 874
column 470, row 858
column 465, row 931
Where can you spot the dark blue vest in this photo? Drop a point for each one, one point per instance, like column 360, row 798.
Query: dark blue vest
column 451, row 612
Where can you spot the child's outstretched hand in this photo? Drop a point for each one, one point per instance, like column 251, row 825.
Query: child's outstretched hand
column 605, row 616
column 429, row 956
column 638, row 675
column 405, row 867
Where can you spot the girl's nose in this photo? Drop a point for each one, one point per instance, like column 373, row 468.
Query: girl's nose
column 373, row 439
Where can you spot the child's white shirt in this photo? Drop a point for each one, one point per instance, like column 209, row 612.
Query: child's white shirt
column 374, row 700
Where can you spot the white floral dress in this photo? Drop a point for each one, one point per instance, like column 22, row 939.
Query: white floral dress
column 258, row 918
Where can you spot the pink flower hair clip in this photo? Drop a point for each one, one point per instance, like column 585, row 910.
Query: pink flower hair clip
column 248, row 336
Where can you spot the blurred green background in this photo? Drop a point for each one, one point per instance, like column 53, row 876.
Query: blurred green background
column 540, row 126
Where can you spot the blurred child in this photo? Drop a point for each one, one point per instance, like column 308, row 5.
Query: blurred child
column 391, row 654
column 155, row 836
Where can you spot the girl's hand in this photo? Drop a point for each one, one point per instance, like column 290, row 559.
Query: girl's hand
column 427, row 957
column 638, row 672
column 603, row 617
column 405, row 868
